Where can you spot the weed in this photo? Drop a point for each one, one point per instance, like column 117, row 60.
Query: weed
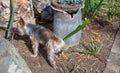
column 86, row 70
column 94, row 49
column 73, row 70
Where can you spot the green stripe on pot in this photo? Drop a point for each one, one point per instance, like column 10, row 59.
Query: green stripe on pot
column 80, row 27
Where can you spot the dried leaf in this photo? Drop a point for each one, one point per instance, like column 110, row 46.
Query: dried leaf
column 95, row 33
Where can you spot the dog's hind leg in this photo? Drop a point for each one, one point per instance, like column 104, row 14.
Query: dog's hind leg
column 51, row 58
column 51, row 54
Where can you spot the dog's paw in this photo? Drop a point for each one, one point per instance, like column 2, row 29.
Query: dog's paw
column 33, row 55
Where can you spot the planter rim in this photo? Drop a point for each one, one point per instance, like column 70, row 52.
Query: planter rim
column 66, row 7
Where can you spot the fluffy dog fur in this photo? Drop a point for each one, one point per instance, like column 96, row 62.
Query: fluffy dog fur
column 39, row 34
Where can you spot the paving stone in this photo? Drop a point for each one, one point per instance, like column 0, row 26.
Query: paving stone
column 10, row 59
column 113, row 64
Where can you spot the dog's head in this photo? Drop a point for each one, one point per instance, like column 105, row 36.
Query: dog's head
column 21, row 27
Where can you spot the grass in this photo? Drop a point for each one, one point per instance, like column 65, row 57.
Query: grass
column 101, row 7
column 113, row 9
column 91, row 7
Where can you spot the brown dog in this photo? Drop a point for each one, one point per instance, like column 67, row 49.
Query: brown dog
column 39, row 34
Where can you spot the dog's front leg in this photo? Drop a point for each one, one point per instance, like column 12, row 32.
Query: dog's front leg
column 35, row 46
column 35, row 51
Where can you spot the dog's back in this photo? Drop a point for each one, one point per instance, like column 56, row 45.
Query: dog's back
column 45, row 36
column 41, row 33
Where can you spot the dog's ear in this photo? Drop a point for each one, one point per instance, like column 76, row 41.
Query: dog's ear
column 22, row 22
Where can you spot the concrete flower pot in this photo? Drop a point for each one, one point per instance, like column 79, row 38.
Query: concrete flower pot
column 64, row 23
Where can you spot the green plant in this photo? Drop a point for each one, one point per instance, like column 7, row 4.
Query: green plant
column 101, row 7
column 80, row 27
column 10, row 25
column 91, row 7
column 86, row 70
column 73, row 70
column 87, row 52
column 94, row 49
column 113, row 9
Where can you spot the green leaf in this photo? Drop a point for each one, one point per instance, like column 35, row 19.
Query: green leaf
column 80, row 27
column 65, row 67
column 10, row 24
column 92, row 45
column 74, row 69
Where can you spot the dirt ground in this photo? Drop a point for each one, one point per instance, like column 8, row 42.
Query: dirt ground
column 101, row 33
